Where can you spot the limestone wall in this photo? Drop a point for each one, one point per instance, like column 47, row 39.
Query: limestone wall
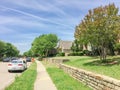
column 95, row 81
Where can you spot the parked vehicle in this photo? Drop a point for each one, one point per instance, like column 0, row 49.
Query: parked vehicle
column 6, row 59
column 14, row 58
column 17, row 65
column 28, row 59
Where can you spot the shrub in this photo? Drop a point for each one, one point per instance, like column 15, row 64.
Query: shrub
column 40, row 58
column 61, row 54
column 95, row 52
column 80, row 53
column 76, row 54
column 86, row 52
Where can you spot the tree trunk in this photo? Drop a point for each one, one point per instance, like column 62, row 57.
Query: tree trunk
column 104, row 54
column 100, row 52
column 46, row 54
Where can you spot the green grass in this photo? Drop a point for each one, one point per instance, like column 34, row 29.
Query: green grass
column 95, row 65
column 26, row 80
column 62, row 80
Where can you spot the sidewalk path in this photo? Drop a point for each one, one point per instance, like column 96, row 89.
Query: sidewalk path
column 43, row 81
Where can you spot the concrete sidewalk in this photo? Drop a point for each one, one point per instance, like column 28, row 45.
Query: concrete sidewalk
column 43, row 81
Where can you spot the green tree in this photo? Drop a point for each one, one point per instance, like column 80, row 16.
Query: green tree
column 42, row 44
column 29, row 53
column 117, row 47
column 100, row 27
column 76, row 47
column 8, row 50
column 2, row 49
column 11, row 50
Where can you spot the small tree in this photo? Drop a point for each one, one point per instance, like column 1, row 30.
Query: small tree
column 76, row 47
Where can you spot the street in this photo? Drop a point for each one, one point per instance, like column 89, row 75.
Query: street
column 5, row 77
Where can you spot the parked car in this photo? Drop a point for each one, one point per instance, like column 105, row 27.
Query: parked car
column 14, row 58
column 6, row 59
column 17, row 65
column 28, row 59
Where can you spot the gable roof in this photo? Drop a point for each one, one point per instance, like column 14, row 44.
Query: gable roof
column 65, row 44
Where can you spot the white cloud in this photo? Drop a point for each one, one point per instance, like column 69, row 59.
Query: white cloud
column 39, row 6
column 36, row 17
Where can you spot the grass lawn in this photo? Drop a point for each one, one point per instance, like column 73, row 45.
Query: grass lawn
column 95, row 65
column 26, row 80
column 62, row 80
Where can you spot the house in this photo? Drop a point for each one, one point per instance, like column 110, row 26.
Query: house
column 65, row 46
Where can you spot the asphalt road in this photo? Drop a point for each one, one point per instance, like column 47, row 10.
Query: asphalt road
column 7, row 78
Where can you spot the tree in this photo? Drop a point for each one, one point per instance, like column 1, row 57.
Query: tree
column 100, row 27
column 8, row 50
column 11, row 50
column 2, row 48
column 76, row 47
column 42, row 44
column 117, row 47
column 28, row 53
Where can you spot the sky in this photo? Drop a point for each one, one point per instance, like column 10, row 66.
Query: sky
column 21, row 21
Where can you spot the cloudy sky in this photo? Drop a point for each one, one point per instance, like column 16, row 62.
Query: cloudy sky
column 23, row 20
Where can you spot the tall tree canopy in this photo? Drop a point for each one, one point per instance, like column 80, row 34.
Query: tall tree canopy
column 42, row 44
column 100, row 27
column 28, row 53
column 8, row 50
column 11, row 50
column 2, row 48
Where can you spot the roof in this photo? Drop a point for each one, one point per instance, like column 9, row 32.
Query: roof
column 65, row 44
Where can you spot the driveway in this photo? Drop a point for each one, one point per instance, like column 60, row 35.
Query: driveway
column 5, row 77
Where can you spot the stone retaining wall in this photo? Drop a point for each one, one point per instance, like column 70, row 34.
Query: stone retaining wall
column 55, row 61
column 95, row 81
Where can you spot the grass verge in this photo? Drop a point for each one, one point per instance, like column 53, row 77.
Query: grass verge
column 26, row 80
column 95, row 65
column 62, row 80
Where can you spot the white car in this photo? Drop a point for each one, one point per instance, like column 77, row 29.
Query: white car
column 17, row 65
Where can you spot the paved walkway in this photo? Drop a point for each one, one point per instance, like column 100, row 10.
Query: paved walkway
column 43, row 81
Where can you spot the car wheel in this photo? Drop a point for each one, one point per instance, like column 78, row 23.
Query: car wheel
column 9, row 71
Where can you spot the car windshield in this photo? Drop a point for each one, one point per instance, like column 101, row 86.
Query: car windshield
column 16, row 61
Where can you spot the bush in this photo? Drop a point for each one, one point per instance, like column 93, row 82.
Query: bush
column 40, row 58
column 71, row 54
column 76, row 54
column 95, row 52
column 1, row 59
column 86, row 52
column 61, row 54
column 80, row 53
